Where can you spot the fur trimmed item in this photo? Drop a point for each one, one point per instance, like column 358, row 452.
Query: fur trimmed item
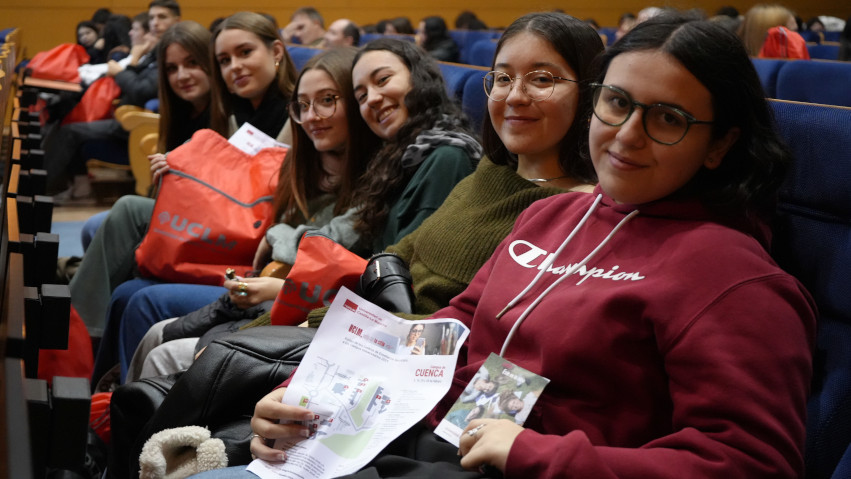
column 181, row 452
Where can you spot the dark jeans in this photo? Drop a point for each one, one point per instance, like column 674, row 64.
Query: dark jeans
column 62, row 157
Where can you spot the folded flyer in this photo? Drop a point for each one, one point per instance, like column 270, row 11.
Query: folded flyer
column 368, row 376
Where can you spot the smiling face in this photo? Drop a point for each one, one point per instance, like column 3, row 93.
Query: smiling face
column 327, row 134
column 632, row 168
column 186, row 77
column 381, row 81
column 533, row 129
column 247, row 64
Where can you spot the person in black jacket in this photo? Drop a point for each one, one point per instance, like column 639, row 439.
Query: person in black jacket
column 66, row 170
column 433, row 37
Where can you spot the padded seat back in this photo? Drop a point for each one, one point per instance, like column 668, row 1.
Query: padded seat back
column 815, row 82
column 824, row 51
column 465, row 39
column 482, row 53
column 812, row 241
column 768, row 69
column 301, row 55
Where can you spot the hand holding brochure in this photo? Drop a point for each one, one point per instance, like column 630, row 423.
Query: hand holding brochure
column 368, row 376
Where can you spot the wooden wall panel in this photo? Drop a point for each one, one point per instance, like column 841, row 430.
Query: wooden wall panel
column 46, row 23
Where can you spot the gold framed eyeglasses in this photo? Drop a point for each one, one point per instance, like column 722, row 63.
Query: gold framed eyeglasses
column 323, row 107
column 537, row 85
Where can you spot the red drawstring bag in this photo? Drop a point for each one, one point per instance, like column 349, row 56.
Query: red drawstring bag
column 96, row 103
column 59, row 63
column 99, row 416
column 75, row 362
column 321, row 267
column 780, row 42
column 213, row 208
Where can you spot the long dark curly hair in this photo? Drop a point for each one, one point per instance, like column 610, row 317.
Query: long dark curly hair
column 428, row 106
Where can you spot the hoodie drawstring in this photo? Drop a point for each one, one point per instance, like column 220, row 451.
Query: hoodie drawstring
column 569, row 272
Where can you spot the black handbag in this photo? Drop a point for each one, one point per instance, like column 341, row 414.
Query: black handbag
column 387, row 282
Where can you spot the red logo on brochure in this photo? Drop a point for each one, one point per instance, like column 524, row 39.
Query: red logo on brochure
column 350, row 305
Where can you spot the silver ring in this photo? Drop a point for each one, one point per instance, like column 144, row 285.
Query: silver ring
column 257, row 435
column 475, row 430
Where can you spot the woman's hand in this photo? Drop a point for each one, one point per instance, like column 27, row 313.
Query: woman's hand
column 159, row 165
column 263, row 254
column 489, row 445
column 274, row 420
column 256, row 290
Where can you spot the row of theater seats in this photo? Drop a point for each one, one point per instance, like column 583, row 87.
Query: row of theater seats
column 814, row 81
column 44, row 424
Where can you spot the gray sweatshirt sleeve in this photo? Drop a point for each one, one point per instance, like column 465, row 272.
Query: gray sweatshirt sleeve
column 284, row 239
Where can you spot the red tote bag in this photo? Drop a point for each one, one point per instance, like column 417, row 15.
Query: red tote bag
column 96, row 103
column 59, row 63
column 321, row 267
column 213, row 208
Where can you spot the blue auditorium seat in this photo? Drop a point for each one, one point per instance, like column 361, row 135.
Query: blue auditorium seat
column 465, row 39
column 455, row 76
column 767, row 69
column 153, row 105
column 810, row 36
column 301, row 55
column 368, row 37
column 475, row 103
column 609, row 32
column 831, row 36
column 464, row 83
column 815, row 82
column 812, row 241
column 482, row 53
column 824, row 51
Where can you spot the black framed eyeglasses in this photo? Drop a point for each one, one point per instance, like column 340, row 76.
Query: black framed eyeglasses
column 663, row 123
column 537, row 85
column 323, row 107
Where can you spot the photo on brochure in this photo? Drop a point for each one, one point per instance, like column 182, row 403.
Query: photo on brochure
column 498, row 390
column 425, row 338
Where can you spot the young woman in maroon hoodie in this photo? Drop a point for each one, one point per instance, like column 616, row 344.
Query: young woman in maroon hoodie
column 674, row 344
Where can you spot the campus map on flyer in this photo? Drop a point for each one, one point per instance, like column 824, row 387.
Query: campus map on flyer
column 368, row 376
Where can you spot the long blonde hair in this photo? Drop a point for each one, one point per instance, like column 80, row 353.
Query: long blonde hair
column 757, row 22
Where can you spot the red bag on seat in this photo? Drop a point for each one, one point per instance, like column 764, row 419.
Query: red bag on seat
column 781, row 42
column 213, row 208
column 321, row 267
column 96, row 103
column 75, row 362
column 59, row 63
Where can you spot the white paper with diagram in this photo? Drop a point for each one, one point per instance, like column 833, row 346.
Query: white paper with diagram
column 368, row 376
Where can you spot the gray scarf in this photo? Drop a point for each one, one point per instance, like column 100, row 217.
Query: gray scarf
column 428, row 140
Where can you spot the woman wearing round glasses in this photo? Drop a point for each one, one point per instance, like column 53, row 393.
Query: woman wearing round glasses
column 674, row 345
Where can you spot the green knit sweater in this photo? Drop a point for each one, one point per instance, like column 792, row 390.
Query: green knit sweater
column 447, row 250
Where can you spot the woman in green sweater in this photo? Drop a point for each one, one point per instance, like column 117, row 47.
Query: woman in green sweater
column 535, row 138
